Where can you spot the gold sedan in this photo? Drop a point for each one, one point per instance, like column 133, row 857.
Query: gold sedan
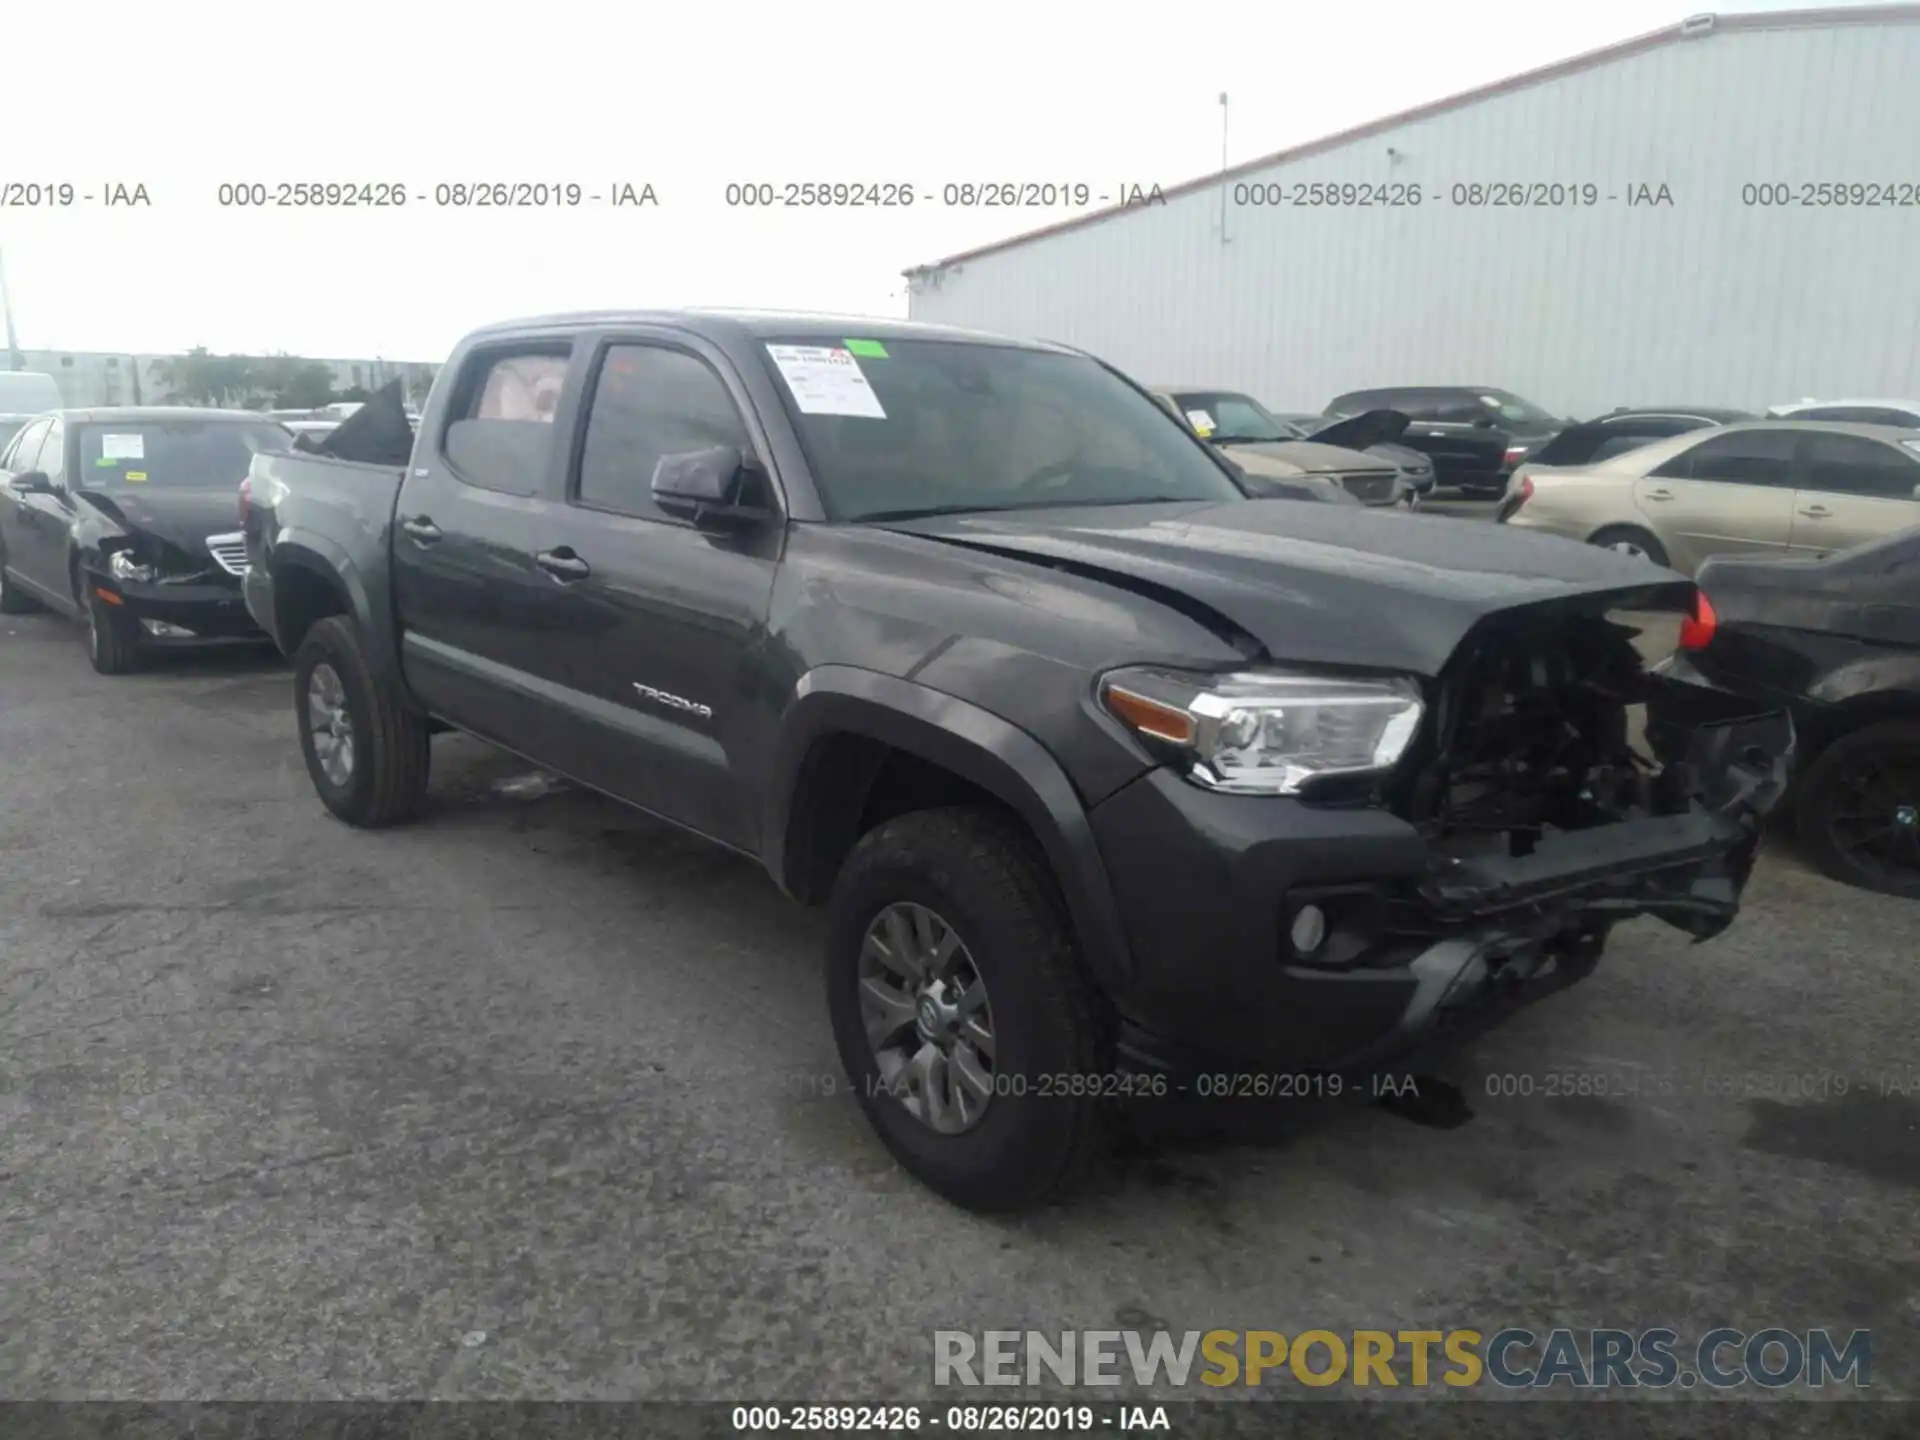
column 1779, row 488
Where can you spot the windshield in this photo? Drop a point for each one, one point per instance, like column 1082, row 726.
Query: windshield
column 925, row 426
column 1229, row 419
column 173, row 454
column 1514, row 410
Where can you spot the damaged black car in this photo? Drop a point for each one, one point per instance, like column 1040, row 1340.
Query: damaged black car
column 127, row 520
column 1835, row 642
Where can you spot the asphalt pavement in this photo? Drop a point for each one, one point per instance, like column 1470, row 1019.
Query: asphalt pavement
column 536, row 1099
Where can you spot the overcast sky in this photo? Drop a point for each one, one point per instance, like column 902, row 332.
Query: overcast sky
column 687, row 98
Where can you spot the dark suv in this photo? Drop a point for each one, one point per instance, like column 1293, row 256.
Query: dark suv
column 1475, row 434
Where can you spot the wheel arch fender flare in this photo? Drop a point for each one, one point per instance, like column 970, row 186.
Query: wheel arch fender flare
column 980, row 747
column 330, row 563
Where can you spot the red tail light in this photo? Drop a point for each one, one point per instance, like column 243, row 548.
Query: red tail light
column 246, row 499
column 1696, row 631
column 1514, row 452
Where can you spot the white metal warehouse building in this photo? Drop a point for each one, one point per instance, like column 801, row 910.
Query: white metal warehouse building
column 1724, row 296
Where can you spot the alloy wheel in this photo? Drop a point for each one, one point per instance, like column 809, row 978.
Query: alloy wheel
column 1629, row 547
column 924, row 1007
column 329, row 724
column 1874, row 817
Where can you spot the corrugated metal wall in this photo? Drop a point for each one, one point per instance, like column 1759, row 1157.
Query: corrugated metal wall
column 1706, row 301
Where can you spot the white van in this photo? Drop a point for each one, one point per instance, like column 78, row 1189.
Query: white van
column 23, row 392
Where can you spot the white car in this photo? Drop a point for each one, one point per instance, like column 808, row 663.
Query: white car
column 1904, row 413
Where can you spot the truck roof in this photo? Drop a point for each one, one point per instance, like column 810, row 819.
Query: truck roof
column 765, row 325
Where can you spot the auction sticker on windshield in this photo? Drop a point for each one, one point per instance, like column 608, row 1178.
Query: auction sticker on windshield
column 1201, row 421
column 826, row 381
column 122, row 447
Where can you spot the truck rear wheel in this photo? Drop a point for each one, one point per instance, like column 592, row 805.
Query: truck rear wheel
column 367, row 751
column 974, row 1043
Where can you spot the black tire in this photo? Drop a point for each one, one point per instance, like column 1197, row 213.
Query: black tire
column 13, row 600
column 985, row 877
column 392, row 755
column 113, row 644
column 1631, row 535
column 1834, row 785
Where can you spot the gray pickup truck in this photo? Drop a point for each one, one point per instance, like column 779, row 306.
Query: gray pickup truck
column 1109, row 775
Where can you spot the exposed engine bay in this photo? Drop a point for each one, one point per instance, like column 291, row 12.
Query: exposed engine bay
column 1538, row 730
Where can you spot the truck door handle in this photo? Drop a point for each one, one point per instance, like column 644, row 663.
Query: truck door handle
column 1815, row 512
column 1659, row 494
column 562, row 564
column 421, row 529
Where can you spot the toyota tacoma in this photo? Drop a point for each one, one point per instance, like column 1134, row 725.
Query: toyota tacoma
column 1100, row 767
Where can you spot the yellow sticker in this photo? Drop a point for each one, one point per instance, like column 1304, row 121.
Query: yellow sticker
column 136, row 476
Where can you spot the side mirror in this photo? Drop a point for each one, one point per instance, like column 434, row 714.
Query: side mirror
column 32, row 482
column 717, row 489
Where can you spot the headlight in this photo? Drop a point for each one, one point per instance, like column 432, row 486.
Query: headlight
column 122, row 566
column 1267, row 732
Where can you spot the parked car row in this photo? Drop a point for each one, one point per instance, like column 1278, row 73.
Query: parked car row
column 1275, row 455
column 1111, row 762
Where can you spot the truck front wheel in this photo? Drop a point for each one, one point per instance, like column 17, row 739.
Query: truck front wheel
column 973, row 1042
column 367, row 751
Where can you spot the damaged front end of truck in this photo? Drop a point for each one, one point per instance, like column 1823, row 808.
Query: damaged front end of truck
column 1563, row 787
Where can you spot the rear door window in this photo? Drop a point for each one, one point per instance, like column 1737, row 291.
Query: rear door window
column 503, row 436
column 1854, row 465
column 1746, row 457
column 1454, row 408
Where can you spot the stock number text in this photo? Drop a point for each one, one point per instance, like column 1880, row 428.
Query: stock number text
column 1896, row 194
column 312, row 194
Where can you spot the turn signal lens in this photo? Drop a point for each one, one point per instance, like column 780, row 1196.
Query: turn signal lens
column 1150, row 717
column 1696, row 631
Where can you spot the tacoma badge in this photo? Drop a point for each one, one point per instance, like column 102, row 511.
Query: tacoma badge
column 661, row 697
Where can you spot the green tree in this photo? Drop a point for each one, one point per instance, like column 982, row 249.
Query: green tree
column 293, row 383
column 202, row 378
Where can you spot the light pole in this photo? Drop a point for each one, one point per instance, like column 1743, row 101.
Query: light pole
column 1223, row 167
column 14, row 359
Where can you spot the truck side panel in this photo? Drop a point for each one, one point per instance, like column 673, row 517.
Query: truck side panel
column 318, row 542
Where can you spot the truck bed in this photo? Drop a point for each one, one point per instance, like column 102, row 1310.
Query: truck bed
column 315, row 504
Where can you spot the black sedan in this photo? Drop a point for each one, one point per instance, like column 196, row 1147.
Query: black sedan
column 1836, row 642
column 126, row 520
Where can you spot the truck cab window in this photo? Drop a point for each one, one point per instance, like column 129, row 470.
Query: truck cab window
column 650, row 402
column 502, row 437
